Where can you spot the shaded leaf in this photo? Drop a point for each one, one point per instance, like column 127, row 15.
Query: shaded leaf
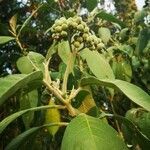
column 143, row 39
column 89, row 133
column 5, row 122
column 28, row 100
column 141, row 118
column 109, row 17
column 130, row 130
column 133, row 92
column 91, row 4
column 16, row 142
column 11, row 83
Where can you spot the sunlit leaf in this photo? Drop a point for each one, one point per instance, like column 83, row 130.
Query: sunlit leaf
column 104, row 34
column 89, row 133
column 98, row 64
column 29, row 63
column 5, row 39
column 64, row 51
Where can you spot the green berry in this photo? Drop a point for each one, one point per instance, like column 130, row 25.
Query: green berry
column 79, row 39
column 64, row 33
column 100, row 45
column 78, row 19
column 80, row 27
column 74, row 24
column 92, row 47
column 86, row 29
column 85, row 35
column 62, row 19
column 89, row 39
column 58, row 22
column 76, row 44
column 58, row 29
column 64, row 26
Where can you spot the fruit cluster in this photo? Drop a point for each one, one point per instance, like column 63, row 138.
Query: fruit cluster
column 79, row 32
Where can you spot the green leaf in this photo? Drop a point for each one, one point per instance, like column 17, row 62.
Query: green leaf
column 130, row 130
column 143, row 39
column 11, row 83
column 16, row 142
column 29, row 63
column 5, row 39
column 141, row 118
column 24, row 65
column 91, row 4
column 109, row 17
column 89, row 133
column 64, row 51
column 133, row 92
column 104, row 34
column 28, row 100
column 5, row 122
column 122, row 69
column 52, row 49
column 97, row 64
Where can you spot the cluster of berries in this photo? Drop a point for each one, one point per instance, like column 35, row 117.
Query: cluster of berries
column 81, row 35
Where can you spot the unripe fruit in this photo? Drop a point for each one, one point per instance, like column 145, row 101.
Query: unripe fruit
column 58, row 29
column 86, row 29
column 64, row 33
column 79, row 39
column 85, row 36
column 58, row 22
column 92, row 47
column 64, row 26
column 62, row 19
column 76, row 44
column 80, row 27
column 55, row 36
column 89, row 39
column 78, row 19
column 74, row 24
column 100, row 45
